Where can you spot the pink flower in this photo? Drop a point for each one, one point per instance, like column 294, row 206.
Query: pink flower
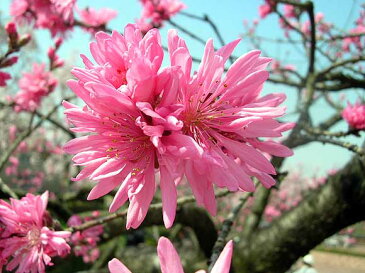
column 55, row 15
column 97, row 18
column 228, row 119
column 170, row 260
column 33, row 87
column 267, row 8
column 65, row 9
column 85, row 242
column 125, row 146
column 4, row 77
column 289, row 11
column 271, row 212
column 160, row 10
column 355, row 115
column 26, row 242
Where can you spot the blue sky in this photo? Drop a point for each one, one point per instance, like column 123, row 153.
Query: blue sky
column 229, row 16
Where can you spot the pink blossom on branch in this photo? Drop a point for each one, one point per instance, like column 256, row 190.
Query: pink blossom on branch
column 144, row 118
column 97, row 18
column 160, row 10
column 155, row 12
column 228, row 119
column 84, row 243
column 268, row 7
column 122, row 150
column 33, row 87
column 55, row 15
column 27, row 243
column 355, row 115
column 170, row 260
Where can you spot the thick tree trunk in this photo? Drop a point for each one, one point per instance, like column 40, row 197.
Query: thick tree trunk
column 325, row 211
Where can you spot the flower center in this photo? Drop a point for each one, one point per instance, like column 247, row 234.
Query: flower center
column 33, row 236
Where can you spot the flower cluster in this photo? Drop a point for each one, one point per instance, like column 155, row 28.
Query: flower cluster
column 206, row 126
column 33, row 87
column 85, row 242
column 156, row 12
column 55, row 15
column 170, row 261
column 27, row 242
column 355, row 115
column 356, row 39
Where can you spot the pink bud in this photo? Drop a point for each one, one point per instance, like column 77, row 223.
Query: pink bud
column 9, row 61
column 11, row 28
column 51, row 53
column 58, row 42
column 24, row 39
column 58, row 63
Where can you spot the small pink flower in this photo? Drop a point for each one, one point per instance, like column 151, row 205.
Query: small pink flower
column 271, row 212
column 85, row 242
column 289, row 11
column 26, row 243
column 160, row 10
column 355, row 115
column 97, row 18
column 33, row 87
column 170, row 260
column 267, row 8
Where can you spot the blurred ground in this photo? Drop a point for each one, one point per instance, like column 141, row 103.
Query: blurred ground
column 325, row 262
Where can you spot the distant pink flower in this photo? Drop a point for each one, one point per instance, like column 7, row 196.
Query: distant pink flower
column 96, row 18
column 170, row 260
column 4, row 77
column 355, row 115
column 289, row 11
column 55, row 15
column 268, row 7
column 85, row 242
column 160, row 10
column 227, row 119
column 33, row 87
column 65, row 9
column 271, row 212
column 26, row 242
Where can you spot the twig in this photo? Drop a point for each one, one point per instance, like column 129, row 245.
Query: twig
column 347, row 145
column 6, row 189
column 187, row 32
column 206, row 19
column 225, row 230
column 51, row 120
column 319, row 132
column 342, row 63
column 6, row 155
column 312, row 51
column 102, row 220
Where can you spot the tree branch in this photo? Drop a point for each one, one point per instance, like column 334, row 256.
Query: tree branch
column 336, row 205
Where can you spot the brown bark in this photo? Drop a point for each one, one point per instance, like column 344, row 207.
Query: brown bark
column 325, row 211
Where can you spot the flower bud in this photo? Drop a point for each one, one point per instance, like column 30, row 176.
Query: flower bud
column 11, row 28
column 9, row 61
column 58, row 42
column 24, row 40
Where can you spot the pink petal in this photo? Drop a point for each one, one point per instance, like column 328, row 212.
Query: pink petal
column 116, row 266
column 169, row 259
